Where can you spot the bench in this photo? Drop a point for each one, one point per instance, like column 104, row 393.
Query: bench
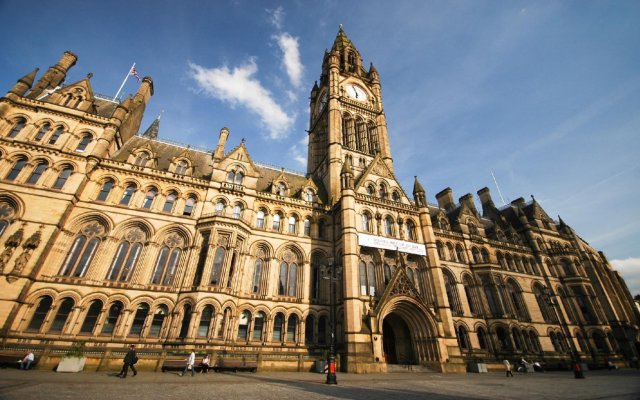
column 235, row 365
column 9, row 360
column 177, row 365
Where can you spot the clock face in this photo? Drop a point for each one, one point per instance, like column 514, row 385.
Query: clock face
column 356, row 92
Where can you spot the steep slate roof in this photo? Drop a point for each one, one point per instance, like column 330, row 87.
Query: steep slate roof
column 294, row 181
column 165, row 152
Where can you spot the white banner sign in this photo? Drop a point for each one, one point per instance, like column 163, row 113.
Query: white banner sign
column 391, row 244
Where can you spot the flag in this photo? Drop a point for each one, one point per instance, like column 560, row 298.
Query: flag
column 134, row 72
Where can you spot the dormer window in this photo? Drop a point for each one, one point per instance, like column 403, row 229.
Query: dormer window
column 383, row 191
column 282, row 189
column 395, row 196
column 235, row 176
column 142, row 159
column 309, row 195
column 181, row 167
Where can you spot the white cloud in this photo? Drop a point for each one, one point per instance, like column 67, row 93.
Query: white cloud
column 276, row 17
column 629, row 268
column 291, row 57
column 299, row 151
column 239, row 86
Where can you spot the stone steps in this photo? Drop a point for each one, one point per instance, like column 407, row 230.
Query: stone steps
column 400, row 368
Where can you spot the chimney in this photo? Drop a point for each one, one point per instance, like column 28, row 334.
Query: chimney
column 445, row 199
column 467, row 200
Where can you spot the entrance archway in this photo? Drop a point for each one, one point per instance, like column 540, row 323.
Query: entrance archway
column 396, row 341
column 409, row 333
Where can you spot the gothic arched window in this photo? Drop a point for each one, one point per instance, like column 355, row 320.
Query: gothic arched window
column 44, row 129
column 138, row 319
column 130, row 190
column 367, row 279
column 17, row 127
column 91, row 318
column 366, row 222
column 106, row 189
column 237, row 211
column 181, row 167
column 82, row 251
column 260, row 219
column 243, row 325
column 16, row 169
column 258, row 326
column 388, row 226
column 56, row 135
column 158, row 321
column 170, row 201
column 167, row 261
column 82, row 146
column 307, row 227
column 218, row 260
column 257, row 276
column 126, row 256
column 293, row 222
column 152, row 192
column 278, row 321
column 288, row 279
column 40, row 314
column 65, row 173
column 292, row 328
column 188, row 206
column 141, row 159
column 37, row 172
column 204, row 328
column 276, row 222
column 113, row 315
column 410, row 230
column 62, row 315
column 452, row 293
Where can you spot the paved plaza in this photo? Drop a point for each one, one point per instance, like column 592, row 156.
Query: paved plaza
column 48, row 385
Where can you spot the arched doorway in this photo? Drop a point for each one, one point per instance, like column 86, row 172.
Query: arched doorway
column 396, row 341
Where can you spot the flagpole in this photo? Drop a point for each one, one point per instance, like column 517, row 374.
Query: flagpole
column 124, row 81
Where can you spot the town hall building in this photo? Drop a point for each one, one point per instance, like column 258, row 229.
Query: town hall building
column 111, row 235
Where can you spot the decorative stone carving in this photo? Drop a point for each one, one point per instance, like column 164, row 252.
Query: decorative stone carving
column 6, row 211
column 289, row 256
column 135, row 235
column 93, row 229
column 174, row 240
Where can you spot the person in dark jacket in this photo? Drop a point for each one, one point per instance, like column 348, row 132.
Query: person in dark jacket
column 129, row 360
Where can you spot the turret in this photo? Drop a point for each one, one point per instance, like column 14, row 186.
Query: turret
column 137, row 105
column 24, row 83
column 222, row 140
column 55, row 75
column 419, row 195
column 347, row 174
column 153, row 129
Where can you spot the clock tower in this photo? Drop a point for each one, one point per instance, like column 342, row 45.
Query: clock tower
column 346, row 117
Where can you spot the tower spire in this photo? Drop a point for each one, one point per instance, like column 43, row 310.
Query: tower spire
column 24, row 83
column 154, row 128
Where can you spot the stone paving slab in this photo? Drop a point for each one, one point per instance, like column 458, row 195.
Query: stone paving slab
column 48, row 385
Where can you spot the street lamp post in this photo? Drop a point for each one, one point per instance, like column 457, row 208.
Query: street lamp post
column 332, row 272
column 577, row 368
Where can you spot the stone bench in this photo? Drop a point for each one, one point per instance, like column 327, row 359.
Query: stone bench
column 12, row 360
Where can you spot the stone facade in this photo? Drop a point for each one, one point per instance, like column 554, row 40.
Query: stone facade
column 112, row 237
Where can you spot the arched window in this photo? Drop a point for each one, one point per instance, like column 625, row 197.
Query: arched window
column 482, row 339
column 239, row 178
column 410, row 230
column 17, row 168
column 276, row 222
column 139, row 318
column 463, row 338
column 237, row 211
column 293, row 222
column 231, row 176
column 476, row 255
column 40, row 314
column 218, row 259
column 322, row 330
column 292, row 328
column 373, row 138
column 37, row 172
column 91, row 318
column 56, row 135
column 307, row 227
column 440, row 248
column 128, row 194
column 82, row 251
column 158, row 321
column 470, row 292
column 260, row 219
column 113, row 315
column 387, row 273
column 278, row 321
column 126, row 256
column 383, row 191
column 44, row 129
column 223, row 324
column 460, row 254
column 361, row 136
column 535, row 341
column 65, row 173
column 366, row 222
column 395, row 196
column 388, row 226
column 309, row 330
column 371, row 191
column 484, row 255
column 204, row 328
column 141, row 159
column 566, row 267
column 257, row 276
column 106, row 189
column 288, row 279
column 321, row 229
column 181, row 167
column 62, row 315
column 188, row 206
column 316, row 266
column 17, row 127
column 82, row 146
column 243, row 325
column 503, row 339
column 170, row 201
column 515, row 294
column 149, row 197
column 165, row 267
column 452, row 293
column 258, row 326
column 544, row 303
column 367, row 279
column 220, row 206
column 186, row 321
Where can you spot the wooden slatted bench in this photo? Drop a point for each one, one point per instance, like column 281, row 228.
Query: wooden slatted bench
column 235, row 365
column 177, row 364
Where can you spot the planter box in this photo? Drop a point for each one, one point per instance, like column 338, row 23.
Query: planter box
column 71, row 364
column 321, row 366
column 477, row 367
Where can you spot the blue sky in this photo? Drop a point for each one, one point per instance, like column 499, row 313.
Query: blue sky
column 545, row 94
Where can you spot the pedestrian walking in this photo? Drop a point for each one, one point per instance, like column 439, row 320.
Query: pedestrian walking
column 128, row 362
column 191, row 361
column 507, row 368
